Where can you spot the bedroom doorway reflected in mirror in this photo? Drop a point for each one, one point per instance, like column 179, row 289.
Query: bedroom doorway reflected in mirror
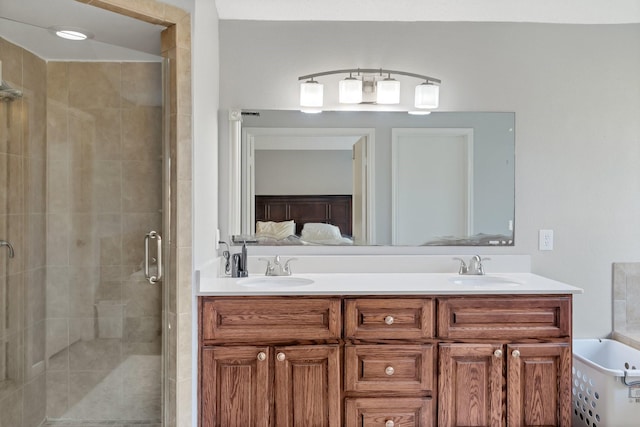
column 308, row 176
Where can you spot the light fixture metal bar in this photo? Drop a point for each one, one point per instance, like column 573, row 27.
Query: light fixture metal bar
column 370, row 71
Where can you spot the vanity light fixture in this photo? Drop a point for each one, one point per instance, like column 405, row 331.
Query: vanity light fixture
column 311, row 96
column 350, row 90
column 369, row 86
column 388, row 91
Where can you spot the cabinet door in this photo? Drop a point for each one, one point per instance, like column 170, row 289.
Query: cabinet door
column 539, row 384
column 234, row 387
column 307, row 386
column 470, row 385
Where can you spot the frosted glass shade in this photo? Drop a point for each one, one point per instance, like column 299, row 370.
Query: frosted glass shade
column 350, row 91
column 311, row 94
column 427, row 96
column 388, row 91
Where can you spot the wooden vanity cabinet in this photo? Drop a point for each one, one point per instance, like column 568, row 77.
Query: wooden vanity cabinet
column 290, row 376
column 520, row 345
column 378, row 361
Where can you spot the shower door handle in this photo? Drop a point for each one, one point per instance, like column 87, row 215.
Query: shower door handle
column 152, row 235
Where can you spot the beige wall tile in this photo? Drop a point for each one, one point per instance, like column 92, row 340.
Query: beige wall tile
column 184, row 342
column 184, row 150
column 141, row 84
column 35, row 344
column 35, row 228
column 15, row 295
column 59, row 187
column 58, row 82
column 57, row 340
column 11, row 408
column 35, row 296
column 57, row 393
column 143, row 185
column 11, row 62
column 184, row 214
column 35, row 185
column 58, row 235
column 143, row 299
column 94, row 84
column 626, row 298
column 15, row 231
column 15, row 196
column 94, row 395
column 34, row 403
column 107, row 186
column 108, row 130
column 142, row 133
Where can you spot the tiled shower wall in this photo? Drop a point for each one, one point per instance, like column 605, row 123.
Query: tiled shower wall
column 22, row 223
column 626, row 302
column 104, row 134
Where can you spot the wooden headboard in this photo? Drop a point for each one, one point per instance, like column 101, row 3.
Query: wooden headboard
column 334, row 210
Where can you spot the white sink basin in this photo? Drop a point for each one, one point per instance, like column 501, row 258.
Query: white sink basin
column 274, row 282
column 483, row 281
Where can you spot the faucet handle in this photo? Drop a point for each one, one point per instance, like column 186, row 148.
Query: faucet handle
column 270, row 266
column 287, row 269
column 463, row 267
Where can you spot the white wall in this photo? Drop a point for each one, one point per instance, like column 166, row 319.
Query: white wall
column 205, row 89
column 576, row 94
column 303, row 172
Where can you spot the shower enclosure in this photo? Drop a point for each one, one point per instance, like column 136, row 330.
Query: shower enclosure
column 82, row 155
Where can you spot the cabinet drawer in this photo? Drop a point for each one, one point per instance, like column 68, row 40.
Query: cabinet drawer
column 504, row 317
column 389, row 368
column 276, row 319
column 388, row 412
column 385, row 318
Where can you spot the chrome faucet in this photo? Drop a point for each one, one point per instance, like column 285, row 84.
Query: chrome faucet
column 277, row 268
column 474, row 268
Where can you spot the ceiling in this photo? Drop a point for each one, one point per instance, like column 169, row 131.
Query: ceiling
column 550, row 11
column 117, row 37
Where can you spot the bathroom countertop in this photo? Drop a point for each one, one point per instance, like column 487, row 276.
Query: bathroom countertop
column 387, row 284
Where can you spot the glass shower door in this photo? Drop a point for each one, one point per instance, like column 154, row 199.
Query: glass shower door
column 105, row 339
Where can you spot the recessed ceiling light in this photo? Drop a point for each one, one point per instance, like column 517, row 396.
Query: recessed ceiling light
column 71, row 33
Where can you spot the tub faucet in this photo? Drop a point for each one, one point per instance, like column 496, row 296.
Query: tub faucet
column 475, row 266
column 9, row 247
column 277, row 268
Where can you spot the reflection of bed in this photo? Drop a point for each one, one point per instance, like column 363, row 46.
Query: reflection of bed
column 335, row 210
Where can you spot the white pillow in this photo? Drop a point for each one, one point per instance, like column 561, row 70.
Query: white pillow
column 275, row 230
column 314, row 231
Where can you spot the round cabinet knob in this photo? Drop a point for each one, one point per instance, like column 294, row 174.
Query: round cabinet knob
column 389, row 423
column 497, row 353
column 516, row 353
column 389, row 320
column 280, row 357
column 262, row 356
column 389, row 370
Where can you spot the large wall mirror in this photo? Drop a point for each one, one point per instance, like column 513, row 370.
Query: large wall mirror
column 372, row 178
